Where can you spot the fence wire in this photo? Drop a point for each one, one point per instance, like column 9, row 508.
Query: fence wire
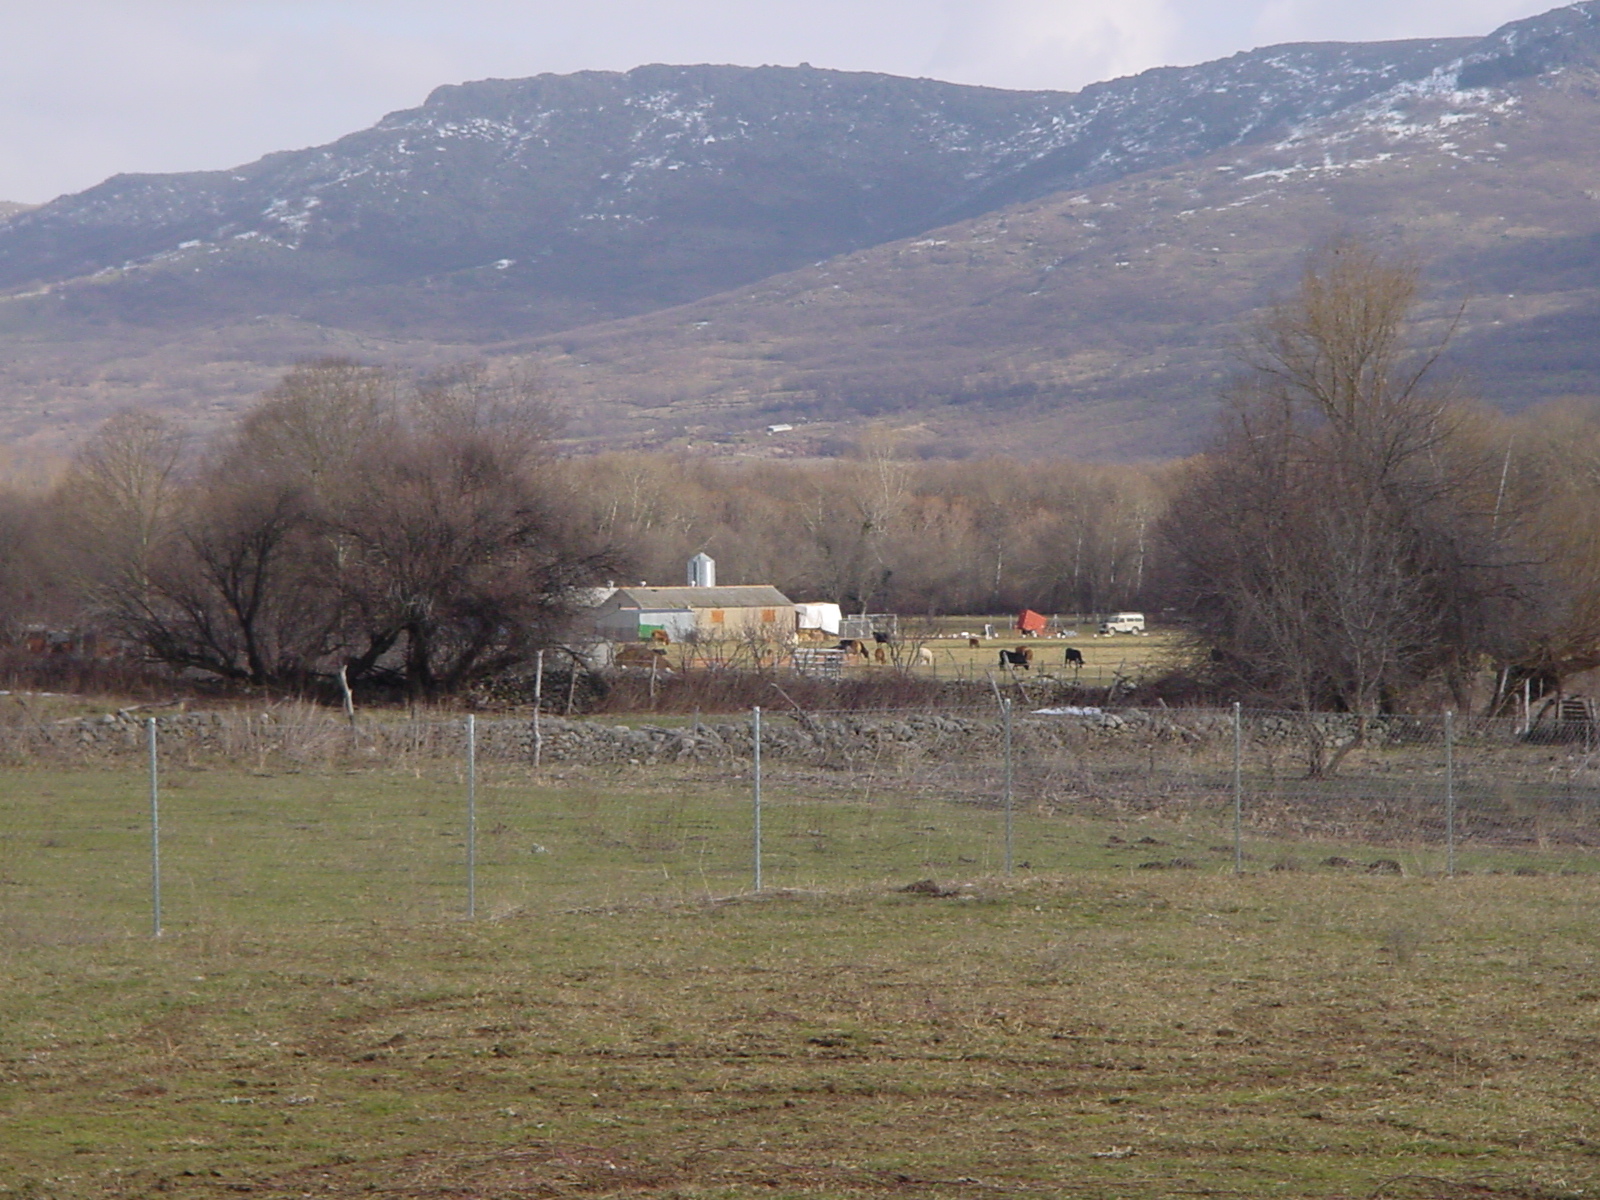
column 299, row 815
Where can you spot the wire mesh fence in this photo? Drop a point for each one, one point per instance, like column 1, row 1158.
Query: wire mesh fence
column 298, row 815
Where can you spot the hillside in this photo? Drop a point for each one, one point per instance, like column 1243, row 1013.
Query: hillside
column 692, row 252
column 516, row 206
column 1101, row 321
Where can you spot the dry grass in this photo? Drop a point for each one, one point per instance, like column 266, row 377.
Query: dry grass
column 320, row 1020
column 903, row 679
column 1055, row 1037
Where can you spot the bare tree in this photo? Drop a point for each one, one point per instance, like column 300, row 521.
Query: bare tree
column 237, row 593
column 419, row 535
column 311, row 426
column 30, row 581
column 121, row 495
column 1548, row 495
column 241, row 582
column 1333, row 549
column 464, row 547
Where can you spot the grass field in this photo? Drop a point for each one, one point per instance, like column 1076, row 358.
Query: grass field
column 624, row 1018
column 1130, row 658
column 1119, row 656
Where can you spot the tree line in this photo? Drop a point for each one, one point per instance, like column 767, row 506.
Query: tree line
column 875, row 532
column 424, row 534
column 1359, row 535
column 1362, row 536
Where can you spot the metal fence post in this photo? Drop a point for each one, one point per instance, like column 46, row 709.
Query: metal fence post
column 1450, row 793
column 1238, row 790
column 472, row 816
column 1005, row 716
column 755, row 741
column 538, row 699
column 155, row 829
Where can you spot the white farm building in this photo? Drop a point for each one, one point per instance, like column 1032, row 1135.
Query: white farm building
column 697, row 614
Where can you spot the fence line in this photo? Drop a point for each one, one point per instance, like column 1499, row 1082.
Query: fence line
column 295, row 806
column 472, row 817
column 155, row 829
column 755, row 778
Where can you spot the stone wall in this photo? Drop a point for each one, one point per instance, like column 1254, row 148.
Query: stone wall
column 305, row 734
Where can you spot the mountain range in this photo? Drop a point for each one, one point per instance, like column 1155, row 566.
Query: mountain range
column 690, row 254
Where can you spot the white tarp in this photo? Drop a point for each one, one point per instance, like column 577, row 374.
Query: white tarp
column 825, row 617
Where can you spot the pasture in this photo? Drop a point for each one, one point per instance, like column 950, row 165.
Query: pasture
column 1105, row 659
column 624, row 1017
column 1129, row 658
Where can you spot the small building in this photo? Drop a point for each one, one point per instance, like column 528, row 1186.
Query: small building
column 697, row 614
column 45, row 642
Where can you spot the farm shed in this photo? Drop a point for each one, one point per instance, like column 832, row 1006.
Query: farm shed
column 704, row 614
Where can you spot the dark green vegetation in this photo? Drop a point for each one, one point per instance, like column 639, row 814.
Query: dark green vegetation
column 321, row 1019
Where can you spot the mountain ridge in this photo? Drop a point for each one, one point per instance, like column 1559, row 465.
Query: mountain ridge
column 987, row 146
column 1149, row 256
column 553, row 214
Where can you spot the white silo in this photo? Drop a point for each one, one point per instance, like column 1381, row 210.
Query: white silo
column 702, row 571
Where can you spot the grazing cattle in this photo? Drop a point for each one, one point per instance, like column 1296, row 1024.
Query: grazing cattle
column 1022, row 657
column 1074, row 657
column 974, row 642
column 925, row 656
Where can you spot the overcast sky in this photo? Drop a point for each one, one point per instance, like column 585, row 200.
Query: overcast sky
column 89, row 88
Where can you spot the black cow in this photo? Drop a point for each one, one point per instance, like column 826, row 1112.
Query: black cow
column 1022, row 657
column 1074, row 658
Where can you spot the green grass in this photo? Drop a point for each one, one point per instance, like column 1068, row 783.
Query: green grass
column 624, row 1019
column 269, row 848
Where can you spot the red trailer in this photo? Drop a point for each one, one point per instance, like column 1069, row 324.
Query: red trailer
column 1030, row 623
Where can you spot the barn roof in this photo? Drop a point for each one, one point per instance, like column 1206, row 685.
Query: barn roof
column 753, row 596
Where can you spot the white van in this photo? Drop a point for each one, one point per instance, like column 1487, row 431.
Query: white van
column 1123, row 623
